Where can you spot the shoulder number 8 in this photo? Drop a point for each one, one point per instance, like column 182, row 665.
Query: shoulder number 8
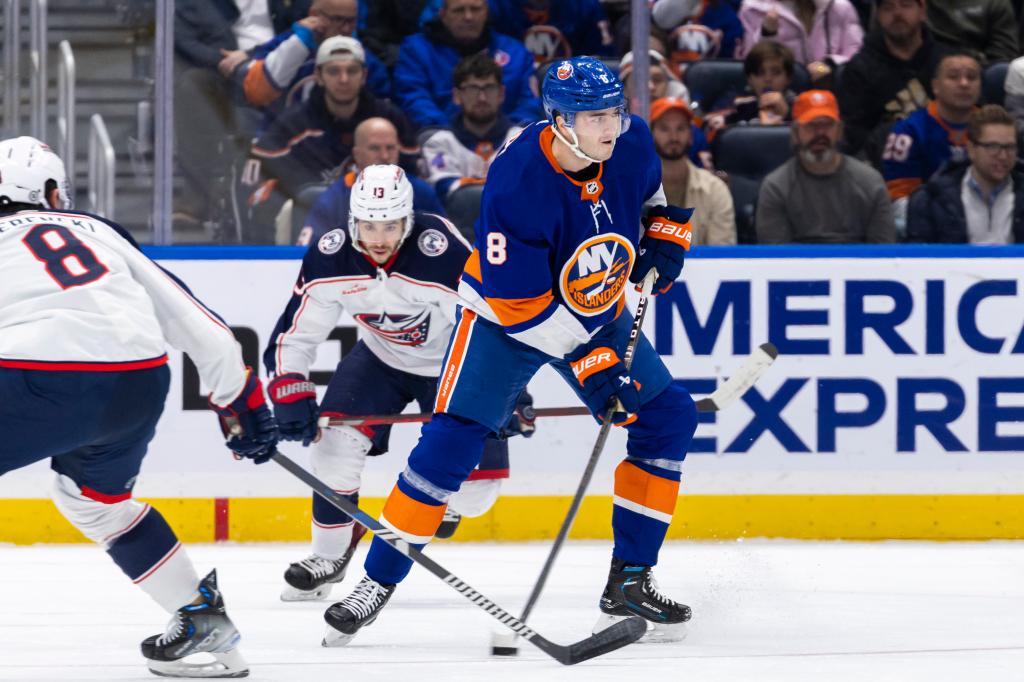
column 496, row 248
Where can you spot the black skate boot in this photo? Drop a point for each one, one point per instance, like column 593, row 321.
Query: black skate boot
column 449, row 524
column 355, row 611
column 313, row 577
column 197, row 628
column 632, row 591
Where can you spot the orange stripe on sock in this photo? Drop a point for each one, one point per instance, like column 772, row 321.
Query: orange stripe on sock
column 411, row 517
column 446, row 382
column 647, row 490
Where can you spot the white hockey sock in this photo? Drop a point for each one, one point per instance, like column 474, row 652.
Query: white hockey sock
column 173, row 582
column 331, row 542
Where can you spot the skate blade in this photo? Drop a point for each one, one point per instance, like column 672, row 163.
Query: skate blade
column 225, row 664
column 657, row 633
column 290, row 593
column 336, row 638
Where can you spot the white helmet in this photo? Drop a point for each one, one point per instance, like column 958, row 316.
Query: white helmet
column 26, row 167
column 380, row 193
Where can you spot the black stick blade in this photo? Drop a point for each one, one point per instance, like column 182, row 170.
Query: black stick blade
column 617, row 636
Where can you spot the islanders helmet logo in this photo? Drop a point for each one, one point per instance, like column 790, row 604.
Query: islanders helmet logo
column 594, row 278
column 564, row 71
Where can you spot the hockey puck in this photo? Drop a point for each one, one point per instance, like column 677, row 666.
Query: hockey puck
column 504, row 644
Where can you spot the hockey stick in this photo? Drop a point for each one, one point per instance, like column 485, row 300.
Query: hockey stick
column 725, row 395
column 615, row 637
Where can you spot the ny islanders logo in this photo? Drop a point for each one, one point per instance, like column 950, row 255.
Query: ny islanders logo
column 564, row 71
column 404, row 330
column 596, row 275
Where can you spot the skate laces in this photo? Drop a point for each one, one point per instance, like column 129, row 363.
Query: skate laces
column 651, row 588
column 174, row 630
column 319, row 566
column 364, row 598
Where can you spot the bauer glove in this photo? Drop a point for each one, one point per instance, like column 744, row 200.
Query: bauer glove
column 294, row 398
column 606, row 382
column 523, row 419
column 663, row 246
column 247, row 423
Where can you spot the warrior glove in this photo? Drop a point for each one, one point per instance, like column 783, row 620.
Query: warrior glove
column 294, row 398
column 247, row 423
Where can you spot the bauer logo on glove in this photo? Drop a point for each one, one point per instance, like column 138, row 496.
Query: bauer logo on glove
column 663, row 247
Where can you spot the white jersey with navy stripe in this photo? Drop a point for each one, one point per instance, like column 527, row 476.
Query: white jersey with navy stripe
column 79, row 295
column 405, row 308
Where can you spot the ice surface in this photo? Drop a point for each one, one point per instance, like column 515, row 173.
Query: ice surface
column 763, row 611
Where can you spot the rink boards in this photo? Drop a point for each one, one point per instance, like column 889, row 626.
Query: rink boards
column 895, row 409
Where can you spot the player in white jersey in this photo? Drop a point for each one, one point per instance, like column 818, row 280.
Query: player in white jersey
column 396, row 273
column 85, row 319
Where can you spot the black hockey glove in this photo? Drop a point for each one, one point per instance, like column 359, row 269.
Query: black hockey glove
column 247, row 423
column 294, row 398
column 523, row 419
column 606, row 381
column 663, row 246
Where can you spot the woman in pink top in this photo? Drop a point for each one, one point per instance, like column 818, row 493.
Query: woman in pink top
column 821, row 33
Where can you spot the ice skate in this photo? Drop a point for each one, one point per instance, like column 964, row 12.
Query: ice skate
column 449, row 524
column 632, row 591
column 197, row 629
column 312, row 578
column 355, row 611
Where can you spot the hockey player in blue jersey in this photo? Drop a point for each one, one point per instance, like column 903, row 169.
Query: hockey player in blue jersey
column 396, row 273
column 85, row 320
column 573, row 210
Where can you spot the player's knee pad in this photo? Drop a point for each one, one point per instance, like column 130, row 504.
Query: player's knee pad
column 664, row 427
column 101, row 522
column 475, row 498
column 339, row 456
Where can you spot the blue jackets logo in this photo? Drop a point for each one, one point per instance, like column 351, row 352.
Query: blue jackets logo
column 405, row 330
column 594, row 278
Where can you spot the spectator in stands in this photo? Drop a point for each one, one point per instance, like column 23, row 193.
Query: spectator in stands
column 698, row 29
column 461, row 152
column 555, row 29
column 388, row 23
column 889, row 78
column 307, row 142
column 820, row 33
column 986, row 28
column 210, row 42
column 376, row 142
column 685, row 184
column 934, row 134
column 1013, row 89
column 423, row 74
column 281, row 66
column 767, row 99
column 661, row 81
column 821, row 196
column 980, row 201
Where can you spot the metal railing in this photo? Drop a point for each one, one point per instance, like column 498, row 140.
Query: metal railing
column 66, row 107
column 12, row 66
column 102, row 166
column 37, row 63
column 163, row 161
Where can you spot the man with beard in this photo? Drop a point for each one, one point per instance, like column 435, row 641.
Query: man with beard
column 889, row 78
column 310, row 139
column 426, row 62
column 821, row 196
column 460, row 153
column 980, row 201
column 685, row 184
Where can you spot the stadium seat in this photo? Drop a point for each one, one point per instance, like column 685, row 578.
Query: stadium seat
column 747, row 154
column 303, row 203
column 463, row 207
column 992, row 81
column 711, row 79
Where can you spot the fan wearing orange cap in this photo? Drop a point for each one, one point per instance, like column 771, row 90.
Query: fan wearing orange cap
column 822, row 196
column 685, row 183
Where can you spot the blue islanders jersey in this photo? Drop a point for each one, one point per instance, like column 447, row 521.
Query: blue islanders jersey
column 552, row 254
column 917, row 146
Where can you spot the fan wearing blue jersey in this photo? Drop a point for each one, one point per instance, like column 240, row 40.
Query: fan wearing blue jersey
column 572, row 211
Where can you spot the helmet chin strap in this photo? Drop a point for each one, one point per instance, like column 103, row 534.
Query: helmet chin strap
column 573, row 146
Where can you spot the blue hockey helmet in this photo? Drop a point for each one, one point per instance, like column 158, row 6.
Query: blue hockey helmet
column 582, row 84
